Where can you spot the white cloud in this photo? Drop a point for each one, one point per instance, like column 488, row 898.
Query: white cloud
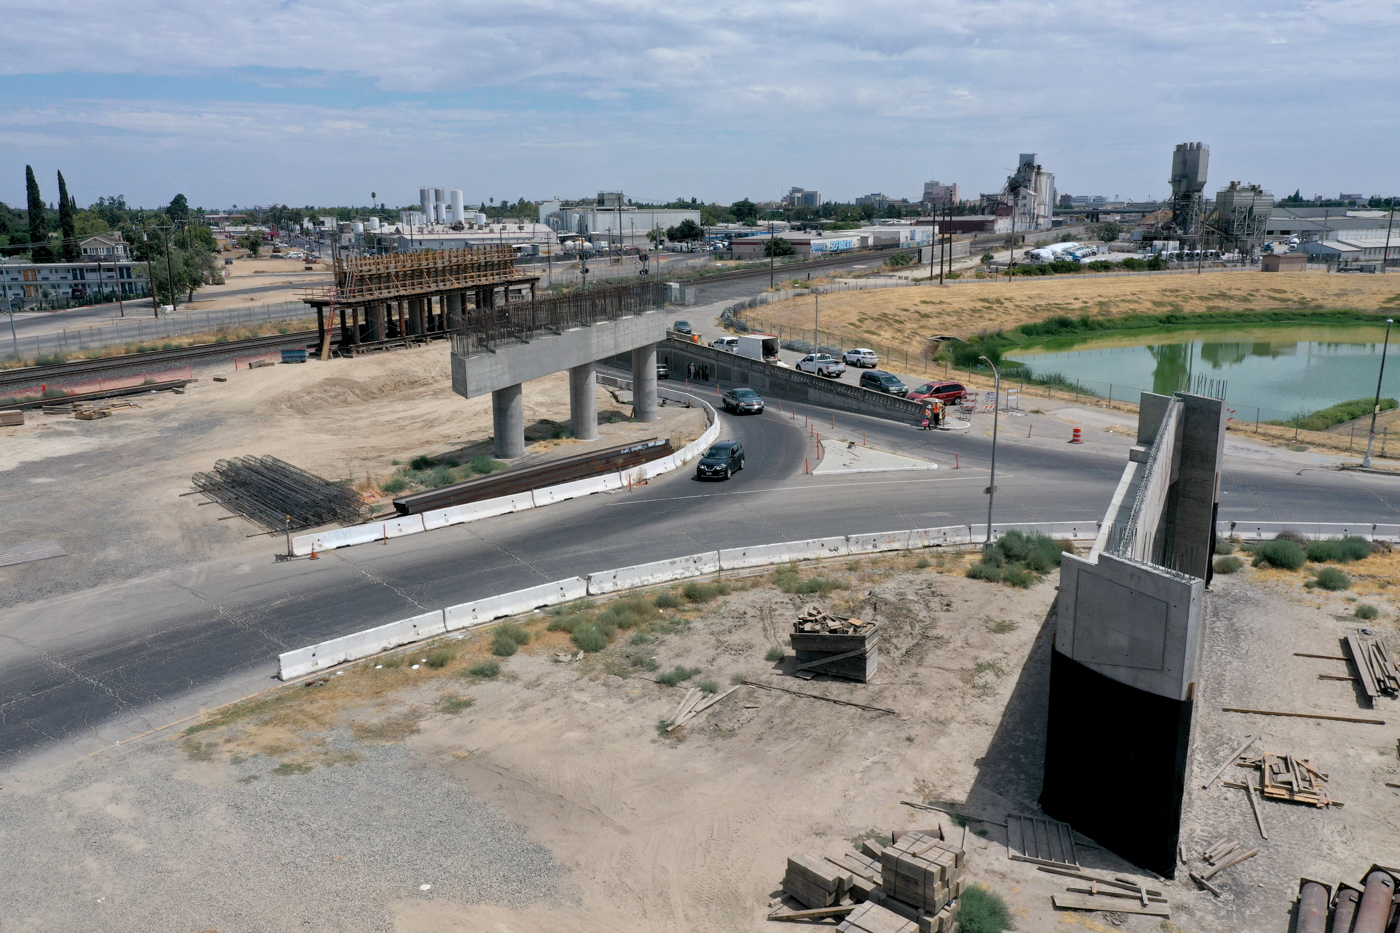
column 720, row 99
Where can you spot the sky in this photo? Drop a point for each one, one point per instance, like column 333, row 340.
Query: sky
column 323, row 102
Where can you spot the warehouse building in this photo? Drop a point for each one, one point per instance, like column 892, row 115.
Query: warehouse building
column 1356, row 247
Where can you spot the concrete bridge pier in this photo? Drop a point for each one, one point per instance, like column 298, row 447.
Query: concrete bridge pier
column 454, row 311
column 508, row 421
column 583, row 402
column 376, row 321
column 644, row 383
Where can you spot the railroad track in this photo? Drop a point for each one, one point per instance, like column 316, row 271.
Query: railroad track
column 56, row 371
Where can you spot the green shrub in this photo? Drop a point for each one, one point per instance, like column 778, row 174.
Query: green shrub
column 640, row 638
column 983, row 911
column 484, row 464
column 1282, row 553
column 789, row 583
column 922, row 563
column 1365, row 611
column 485, row 669
column 503, row 647
column 704, row 592
column 454, row 705
column 709, row 687
column 736, row 679
column 1019, row 559
column 394, row 485
column 1348, row 549
column 1330, row 578
column 677, row 675
column 564, row 623
column 514, row 632
column 1224, row 547
column 985, row 570
column 421, row 463
column 666, row 599
column 1018, row 575
column 627, row 613
column 590, row 638
column 438, row 657
column 1228, row 564
column 775, row 654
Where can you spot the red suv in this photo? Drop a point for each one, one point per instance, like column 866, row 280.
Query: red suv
column 950, row 392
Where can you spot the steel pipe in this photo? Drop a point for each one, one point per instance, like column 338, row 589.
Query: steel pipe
column 1312, row 906
column 1344, row 908
column 1374, row 911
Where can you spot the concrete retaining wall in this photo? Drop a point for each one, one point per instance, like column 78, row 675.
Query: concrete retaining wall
column 467, row 615
column 1259, row 531
column 398, row 526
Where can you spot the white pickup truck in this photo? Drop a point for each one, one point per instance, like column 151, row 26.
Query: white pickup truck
column 821, row 364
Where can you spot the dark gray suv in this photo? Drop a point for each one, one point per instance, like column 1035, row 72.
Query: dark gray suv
column 742, row 401
column 721, row 461
column 881, row 381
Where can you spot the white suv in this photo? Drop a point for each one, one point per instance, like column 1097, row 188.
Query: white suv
column 821, row 364
column 866, row 359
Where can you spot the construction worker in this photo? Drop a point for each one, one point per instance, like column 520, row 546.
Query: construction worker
column 927, row 423
column 937, row 413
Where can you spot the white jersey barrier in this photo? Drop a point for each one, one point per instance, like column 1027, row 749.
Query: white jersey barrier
column 1258, row 531
column 483, row 611
column 401, row 525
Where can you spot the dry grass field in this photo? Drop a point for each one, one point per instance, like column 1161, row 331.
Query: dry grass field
column 905, row 317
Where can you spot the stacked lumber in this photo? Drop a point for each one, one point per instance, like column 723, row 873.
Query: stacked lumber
column 694, row 704
column 1291, row 779
column 922, row 871
column 11, row 417
column 830, row 644
column 1373, row 665
column 910, row 886
column 1121, row 895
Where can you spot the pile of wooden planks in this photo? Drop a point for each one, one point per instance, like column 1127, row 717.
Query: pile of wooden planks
column 831, row 644
column 910, row 886
column 1373, row 665
column 1122, row 895
column 693, row 704
column 1291, row 779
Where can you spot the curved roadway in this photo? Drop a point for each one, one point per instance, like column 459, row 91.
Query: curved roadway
column 110, row 663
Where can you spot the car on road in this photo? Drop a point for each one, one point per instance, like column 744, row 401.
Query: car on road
column 741, row 401
column 663, row 370
column 881, row 381
column 682, row 327
column 721, row 461
column 865, row 359
column 945, row 391
column 725, row 343
column 821, row 364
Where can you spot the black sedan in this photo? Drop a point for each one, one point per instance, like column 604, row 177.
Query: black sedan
column 721, row 461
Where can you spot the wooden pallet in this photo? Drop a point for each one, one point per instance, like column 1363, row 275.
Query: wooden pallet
column 1041, row 841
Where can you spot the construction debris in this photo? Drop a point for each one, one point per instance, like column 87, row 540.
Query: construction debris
column 278, row 496
column 836, row 645
column 694, row 704
column 912, row 885
column 1291, row 779
column 11, row 418
column 1041, row 841
column 1082, row 902
column 1249, row 740
column 1373, row 664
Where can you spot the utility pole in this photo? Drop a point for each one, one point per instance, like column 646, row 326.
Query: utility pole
column 170, row 271
column 1385, row 258
column 772, row 255
column 1366, row 461
column 992, row 484
column 150, row 270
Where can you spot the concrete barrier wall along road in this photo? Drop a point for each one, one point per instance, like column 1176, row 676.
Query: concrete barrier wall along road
column 467, row 615
column 474, row 511
column 661, row 571
column 360, row 644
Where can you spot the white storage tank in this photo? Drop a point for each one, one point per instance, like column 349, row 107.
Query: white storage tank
column 457, row 211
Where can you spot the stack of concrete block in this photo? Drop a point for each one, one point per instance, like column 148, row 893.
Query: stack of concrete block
column 923, row 872
column 814, row 881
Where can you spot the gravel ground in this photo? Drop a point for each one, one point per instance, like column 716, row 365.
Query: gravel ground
column 153, row 841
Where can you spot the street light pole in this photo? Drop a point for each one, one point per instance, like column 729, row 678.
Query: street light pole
column 992, row 487
column 1366, row 461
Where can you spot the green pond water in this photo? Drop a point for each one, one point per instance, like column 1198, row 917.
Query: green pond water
column 1277, row 370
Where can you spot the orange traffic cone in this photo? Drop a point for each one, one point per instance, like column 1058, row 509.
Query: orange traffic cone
column 314, row 555
column 1077, row 438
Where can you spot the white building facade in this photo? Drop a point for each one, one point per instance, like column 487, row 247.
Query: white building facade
column 33, row 283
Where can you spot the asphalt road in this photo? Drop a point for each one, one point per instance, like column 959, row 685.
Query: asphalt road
column 110, row 663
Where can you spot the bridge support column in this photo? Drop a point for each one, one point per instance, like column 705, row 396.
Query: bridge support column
column 376, row 321
column 508, row 419
column 583, row 402
column 644, row 383
column 454, row 311
column 415, row 316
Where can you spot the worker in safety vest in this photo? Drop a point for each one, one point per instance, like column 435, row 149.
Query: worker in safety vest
column 927, row 423
column 937, row 414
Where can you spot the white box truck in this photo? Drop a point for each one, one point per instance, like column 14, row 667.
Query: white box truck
column 758, row 347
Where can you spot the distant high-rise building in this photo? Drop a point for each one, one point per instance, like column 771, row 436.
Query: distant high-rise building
column 802, row 197
column 936, row 194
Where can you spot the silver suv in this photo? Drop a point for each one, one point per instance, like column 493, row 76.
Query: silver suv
column 866, row 359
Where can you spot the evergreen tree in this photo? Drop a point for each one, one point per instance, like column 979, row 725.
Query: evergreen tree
column 68, row 249
column 38, row 226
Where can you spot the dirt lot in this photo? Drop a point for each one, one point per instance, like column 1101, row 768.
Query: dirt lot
column 391, row 776
column 267, row 270
column 110, row 490
column 903, row 317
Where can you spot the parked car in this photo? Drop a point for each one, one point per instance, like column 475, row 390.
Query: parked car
column 725, row 343
column 663, row 370
column 682, row 327
column 866, row 359
column 948, row 392
column 881, row 381
column 742, row 401
column 721, row 461
column 821, row 364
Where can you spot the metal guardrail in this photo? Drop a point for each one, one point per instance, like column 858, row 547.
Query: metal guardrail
column 522, row 321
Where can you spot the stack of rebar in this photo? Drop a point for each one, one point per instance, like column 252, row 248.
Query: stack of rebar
column 278, row 496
